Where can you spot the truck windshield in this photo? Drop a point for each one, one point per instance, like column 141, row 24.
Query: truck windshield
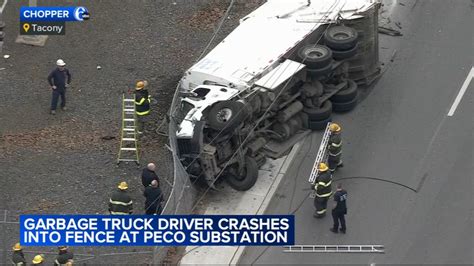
column 183, row 111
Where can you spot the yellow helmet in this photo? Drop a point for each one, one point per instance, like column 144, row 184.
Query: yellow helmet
column 322, row 167
column 334, row 127
column 38, row 259
column 141, row 84
column 123, row 185
column 17, row 247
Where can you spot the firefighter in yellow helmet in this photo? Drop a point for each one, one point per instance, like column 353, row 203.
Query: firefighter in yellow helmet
column 142, row 105
column 120, row 202
column 335, row 147
column 18, row 258
column 38, row 259
column 323, row 190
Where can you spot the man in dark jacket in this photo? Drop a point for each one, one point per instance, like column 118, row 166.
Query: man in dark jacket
column 121, row 202
column 64, row 256
column 142, row 105
column 340, row 209
column 59, row 79
column 153, row 198
column 18, row 258
column 323, row 190
column 149, row 174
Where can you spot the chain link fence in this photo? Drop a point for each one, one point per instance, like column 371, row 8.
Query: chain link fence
column 183, row 194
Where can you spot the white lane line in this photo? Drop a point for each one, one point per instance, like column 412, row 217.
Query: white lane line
column 3, row 6
column 461, row 92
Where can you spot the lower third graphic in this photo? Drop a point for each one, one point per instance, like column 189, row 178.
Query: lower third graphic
column 43, row 28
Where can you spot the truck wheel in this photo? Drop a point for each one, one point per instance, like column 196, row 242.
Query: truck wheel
column 246, row 179
column 318, row 72
column 320, row 124
column 344, row 54
column 315, row 114
column 226, row 115
column 315, row 56
column 345, row 106
column 347, row 94
column 340, row 37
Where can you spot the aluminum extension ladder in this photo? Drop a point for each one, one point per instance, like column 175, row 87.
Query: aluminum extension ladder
column 335, row 248
column 320, row 157
column 128, row 151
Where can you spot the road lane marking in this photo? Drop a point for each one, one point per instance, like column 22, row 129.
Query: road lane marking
column 461, row 92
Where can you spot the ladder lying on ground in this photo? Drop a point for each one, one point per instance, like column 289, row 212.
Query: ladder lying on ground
column 128, row 151
column 320, row 157
column 336, row 248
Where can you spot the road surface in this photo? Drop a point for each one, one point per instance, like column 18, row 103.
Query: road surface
column 400, row 132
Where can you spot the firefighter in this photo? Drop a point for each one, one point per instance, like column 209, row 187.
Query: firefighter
column 18, row 258
column 38, row 259
column 142, row 105
column 323, row 190
column 335, row 147
column 64, row 256
column 120, row 202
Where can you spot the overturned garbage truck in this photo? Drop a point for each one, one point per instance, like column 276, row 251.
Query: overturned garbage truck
column 283, row 70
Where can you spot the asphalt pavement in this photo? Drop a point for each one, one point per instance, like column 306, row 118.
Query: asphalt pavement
column 419, row 206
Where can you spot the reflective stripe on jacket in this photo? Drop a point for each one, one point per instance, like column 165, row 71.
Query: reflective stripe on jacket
column 142, row 102
column 323, row 185
column 120, row 203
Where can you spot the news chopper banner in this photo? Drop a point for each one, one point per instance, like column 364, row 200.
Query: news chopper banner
column 45, row 20
column 157, row 230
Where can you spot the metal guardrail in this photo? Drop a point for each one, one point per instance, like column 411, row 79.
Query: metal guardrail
column 335, row 249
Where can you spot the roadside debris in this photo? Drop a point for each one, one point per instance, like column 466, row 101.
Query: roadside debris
column 389, row 31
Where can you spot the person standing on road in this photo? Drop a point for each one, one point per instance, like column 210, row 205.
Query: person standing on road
column 18, row 258
column 121, row 202
column 323, row 190
column 153, row 199
column 340, row 209
column 142, row 105
column 149, row 174
column 59, row 79
column 64, row 256
column 335, row 147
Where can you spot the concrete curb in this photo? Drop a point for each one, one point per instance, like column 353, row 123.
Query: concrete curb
column 286, row 164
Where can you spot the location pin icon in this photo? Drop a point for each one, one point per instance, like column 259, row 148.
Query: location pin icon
column 26, row 27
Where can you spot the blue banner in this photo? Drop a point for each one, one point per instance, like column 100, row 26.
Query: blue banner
column 157, row 230
column 53, row 13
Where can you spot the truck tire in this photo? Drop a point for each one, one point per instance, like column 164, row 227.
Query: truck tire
column 347, row 94
column 315, row 114
column 245, row 180
column 319, row 124
column 344, row 54
column 318, row 72
column 340, row 37
column 226, row 115
column 345, row 106
column 315, row 55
